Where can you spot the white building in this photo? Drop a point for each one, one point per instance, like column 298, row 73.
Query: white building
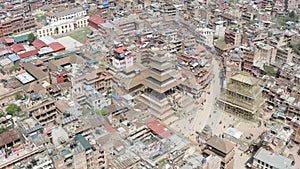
column 122, row 58
column 206, row 36
column 65, row 15
column 123, row 63
column 61, row 27
column 264, row 159
column 88, row 97
column 220, row 29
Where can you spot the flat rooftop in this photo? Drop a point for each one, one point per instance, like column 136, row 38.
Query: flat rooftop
column 25, row 78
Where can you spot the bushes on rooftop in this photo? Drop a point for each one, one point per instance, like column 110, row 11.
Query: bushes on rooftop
column 269, row 70
column 13, row 109
column 31, row 38
column 3, row 129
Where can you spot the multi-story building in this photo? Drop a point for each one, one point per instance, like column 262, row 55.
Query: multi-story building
column 284, row 55
column 222, row 48
column 100, row 79
column 247, row 16
column 103, row 9
column 79, row 154
column 88, row 97
column 23, row 155
column 188, row 42
column 265, row 52
column 206, row 36
column 168, row 9
column 15, row 25
column 223, row 149
column 233, row 64
column 127, row 25
column 291, row 5
column 95, row 21
column 242, row 96
column 44, row 113
column 126, row 160
column 192, row 9
column 269, row 160
column 233, row 36
column 65, row 15
column 122, row 58
column 35, row 5
column 248, row 58
column 18, row 9
column 62, row 27
column 56, row 2
column 219, row 28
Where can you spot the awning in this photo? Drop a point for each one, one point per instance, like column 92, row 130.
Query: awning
column 105, row 4
column 93, row 61
column 116, row 97
column 21, row 38
column 4, row 52
column 13, row 57
column 45, row 50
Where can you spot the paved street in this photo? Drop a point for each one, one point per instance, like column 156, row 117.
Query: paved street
column 196, row 122
column 206, row 114
column 240, row 159
column 293, row 151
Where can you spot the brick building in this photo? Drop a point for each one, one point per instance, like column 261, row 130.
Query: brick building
column 9, row 27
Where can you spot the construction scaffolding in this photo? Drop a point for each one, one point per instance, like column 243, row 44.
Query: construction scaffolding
column 242, row 96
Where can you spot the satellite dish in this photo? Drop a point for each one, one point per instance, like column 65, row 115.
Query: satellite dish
column 8, row 117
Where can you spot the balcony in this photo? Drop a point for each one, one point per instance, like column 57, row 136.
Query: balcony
column 41, row 118
column 42, row 112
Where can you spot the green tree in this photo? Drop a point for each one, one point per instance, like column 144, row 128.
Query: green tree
column 269, row 70
column 102, row 112
column 31, row 38
column 12, row 109
column 292, row 14
column 250, row 22
column 2, row 130
column 18, row 96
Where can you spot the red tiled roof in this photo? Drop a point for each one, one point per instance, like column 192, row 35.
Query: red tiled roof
column 56, row 46
column 121, row 49
column 38, row 44
column 17, row 48
column 158, row 128
column 8, row 137
column 7, row 40
column 9, row 6
column 96, row 19
column 110, row 128
column 199, row 49
column 50, row 14
column 2, row 40
column 27, row 54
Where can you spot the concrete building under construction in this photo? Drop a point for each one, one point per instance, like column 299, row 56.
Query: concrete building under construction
column 242, row 96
